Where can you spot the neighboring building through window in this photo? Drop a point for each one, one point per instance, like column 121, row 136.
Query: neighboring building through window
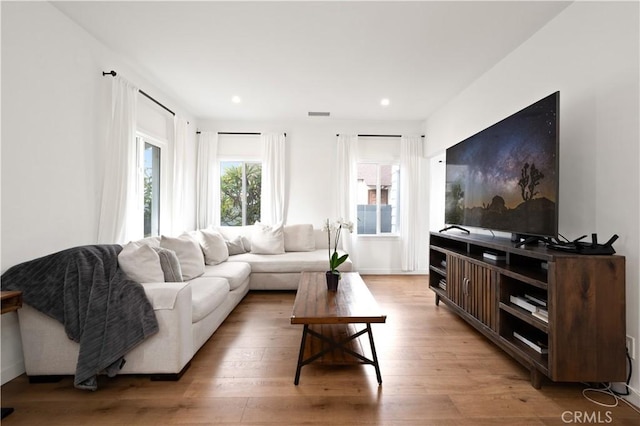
column 240, row 186
column 150, row 165
column 378, row 198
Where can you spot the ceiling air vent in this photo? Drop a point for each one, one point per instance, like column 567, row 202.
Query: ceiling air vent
column 318, row 114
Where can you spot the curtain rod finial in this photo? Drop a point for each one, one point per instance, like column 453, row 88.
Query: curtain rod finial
column 111, row 73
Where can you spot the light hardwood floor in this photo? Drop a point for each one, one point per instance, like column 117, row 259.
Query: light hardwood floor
column 436, row 370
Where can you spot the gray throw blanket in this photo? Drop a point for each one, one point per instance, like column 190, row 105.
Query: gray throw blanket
column 99, row 306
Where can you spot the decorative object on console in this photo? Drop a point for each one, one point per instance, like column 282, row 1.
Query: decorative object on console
column 333, row 275
column 493, row 256
column 576, row 246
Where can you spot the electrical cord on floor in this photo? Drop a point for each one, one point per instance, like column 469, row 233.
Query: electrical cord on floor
column 606, row 389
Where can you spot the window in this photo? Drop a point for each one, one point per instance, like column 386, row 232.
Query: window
column 240, row 186
column 149, row 164
column 378, row 198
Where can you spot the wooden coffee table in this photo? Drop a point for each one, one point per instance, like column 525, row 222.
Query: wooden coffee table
column 329, row 319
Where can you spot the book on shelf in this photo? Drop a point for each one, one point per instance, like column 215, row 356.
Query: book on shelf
column 493, row 256
column 523, row 303
column 442, row 284
column 537, row 346
column 541, row 315
column 536, row 300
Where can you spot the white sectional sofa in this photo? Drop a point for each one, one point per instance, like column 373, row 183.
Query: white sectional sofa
column 188, row 312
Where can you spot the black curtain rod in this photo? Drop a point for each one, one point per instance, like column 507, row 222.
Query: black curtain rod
column 238, row 133
column 379, row 136
column 112, row 73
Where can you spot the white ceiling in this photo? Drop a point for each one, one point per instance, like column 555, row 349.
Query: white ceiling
column 287, row 58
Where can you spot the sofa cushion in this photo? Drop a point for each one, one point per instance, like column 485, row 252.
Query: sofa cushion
column 317, row 260
column 141, row 263
column 230, row 233
column 299, row 238
column 150, row 241
column 207, row 293
column 170, row 265
column 234, row 272
column 189, row 254
column 213, row 246
column 236, row 246
column 267, row 239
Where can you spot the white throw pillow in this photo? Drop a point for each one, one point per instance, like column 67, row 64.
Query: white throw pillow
column 141, row 263
column 213, row 246
column 189, row 254
column 299, row 238
column 267, row 239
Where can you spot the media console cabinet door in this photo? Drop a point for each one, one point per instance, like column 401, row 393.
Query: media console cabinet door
column 472, row 287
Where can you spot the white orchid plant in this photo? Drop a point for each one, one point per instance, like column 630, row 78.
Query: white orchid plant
column 330, row 227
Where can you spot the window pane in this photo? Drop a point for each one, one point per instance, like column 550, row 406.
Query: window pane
column 367, row 194
column 240, row 186
column 253, row 172
column 151, row 190
column 378, row 198
column 389, row 178
column 231, row 193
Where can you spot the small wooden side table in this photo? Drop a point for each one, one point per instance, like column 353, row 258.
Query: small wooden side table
column 11, row 301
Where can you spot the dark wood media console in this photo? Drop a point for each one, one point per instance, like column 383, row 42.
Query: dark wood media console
column 582, row 336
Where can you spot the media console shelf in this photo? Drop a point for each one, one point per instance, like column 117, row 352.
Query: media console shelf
column 560, row 315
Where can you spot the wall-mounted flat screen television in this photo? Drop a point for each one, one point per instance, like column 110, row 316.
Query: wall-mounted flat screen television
column 505, row 178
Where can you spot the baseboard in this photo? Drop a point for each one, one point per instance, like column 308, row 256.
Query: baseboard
column 10, row 372
column 391, row 272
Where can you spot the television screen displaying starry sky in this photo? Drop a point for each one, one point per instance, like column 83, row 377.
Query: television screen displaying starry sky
column 490, row 163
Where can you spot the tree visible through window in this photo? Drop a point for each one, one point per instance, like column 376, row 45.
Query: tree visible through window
column 151, row 186
column 240, row 186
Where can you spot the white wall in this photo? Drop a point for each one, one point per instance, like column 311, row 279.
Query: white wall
column 590, row 52
column 55, row 112
column 311, row 146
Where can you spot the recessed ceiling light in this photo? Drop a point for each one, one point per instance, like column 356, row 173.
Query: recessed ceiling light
column 384, row 102
column 236, row 99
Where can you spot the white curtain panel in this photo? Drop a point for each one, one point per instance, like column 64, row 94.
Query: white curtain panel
column 410, row 155
column 121, row 218
column 272, row 197
column 346, row 190
column 180, row 127
column 207, row 175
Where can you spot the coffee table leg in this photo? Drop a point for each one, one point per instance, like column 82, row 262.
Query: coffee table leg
column 374, row 354
column 301, row 354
